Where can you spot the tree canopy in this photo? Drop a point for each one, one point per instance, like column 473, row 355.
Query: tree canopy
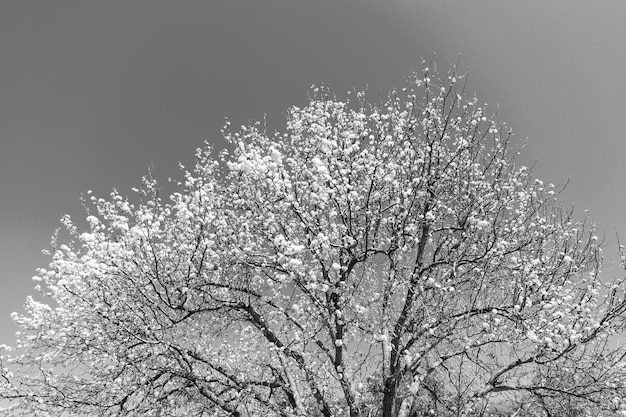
column 383, row 258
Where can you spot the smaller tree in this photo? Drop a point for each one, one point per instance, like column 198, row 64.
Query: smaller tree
column 374, row 260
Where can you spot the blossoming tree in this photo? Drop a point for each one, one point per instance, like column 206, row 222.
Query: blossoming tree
column 382, row 259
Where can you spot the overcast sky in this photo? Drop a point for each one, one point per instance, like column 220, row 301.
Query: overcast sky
column 93, row 92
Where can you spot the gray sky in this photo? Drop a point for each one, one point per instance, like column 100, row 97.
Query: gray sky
column 92, row 93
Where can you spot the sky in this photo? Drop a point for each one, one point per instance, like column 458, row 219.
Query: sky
column 94, row 93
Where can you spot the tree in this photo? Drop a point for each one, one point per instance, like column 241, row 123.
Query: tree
column 382, row 259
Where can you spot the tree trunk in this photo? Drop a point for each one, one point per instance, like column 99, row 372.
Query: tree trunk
column 389, row 396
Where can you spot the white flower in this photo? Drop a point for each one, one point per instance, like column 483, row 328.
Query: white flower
column 482, row 224
column 87, row 237
column 293, row 248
